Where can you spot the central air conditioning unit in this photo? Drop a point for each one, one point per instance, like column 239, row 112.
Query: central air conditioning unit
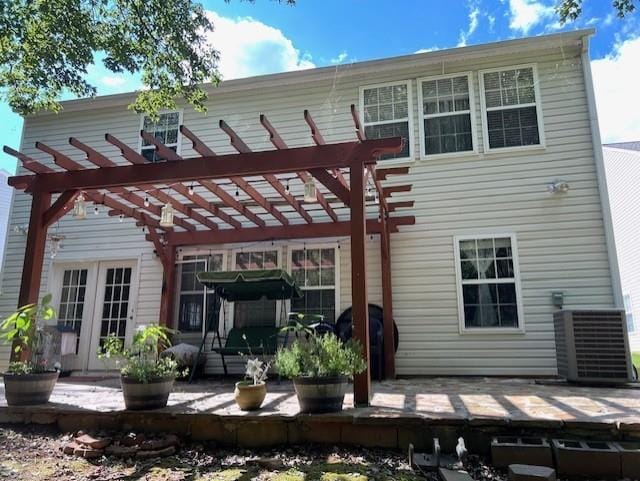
column 592, row 345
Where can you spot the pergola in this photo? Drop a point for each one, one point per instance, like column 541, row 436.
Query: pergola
column 342, row 170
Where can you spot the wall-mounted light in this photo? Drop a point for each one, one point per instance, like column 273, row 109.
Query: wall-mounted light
column 310, row 191
column 80, row 208
column 558, row 187
column 166, row 216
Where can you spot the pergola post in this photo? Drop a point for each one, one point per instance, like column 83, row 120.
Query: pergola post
column 360, row 307
column 168, row 286
column 33, row 256
column 387, row 298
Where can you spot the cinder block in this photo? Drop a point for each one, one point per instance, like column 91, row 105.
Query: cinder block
column 587, row 458
column 629, row 459
column 370, row 436
column 506, row 450
column 526, row 472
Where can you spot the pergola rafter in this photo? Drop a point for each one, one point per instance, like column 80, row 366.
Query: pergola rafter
column 110, row 181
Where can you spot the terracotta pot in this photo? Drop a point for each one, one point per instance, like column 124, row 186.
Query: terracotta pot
column 321, row 394
column 29, row 389
column 150, row 395
column 249, row 396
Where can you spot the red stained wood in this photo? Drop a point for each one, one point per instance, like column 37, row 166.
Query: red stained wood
column 359, row 303
column 356, row 122
column 59, row 207
column 168, row 287
column 157, row 243
column 387, row 299
column 393, row 206
column 387, row 191
column 319, row 140
column 382, row 174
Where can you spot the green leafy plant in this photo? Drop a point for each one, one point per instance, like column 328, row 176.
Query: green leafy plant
column 320, row 356
column 141, row 361
column 23, row 330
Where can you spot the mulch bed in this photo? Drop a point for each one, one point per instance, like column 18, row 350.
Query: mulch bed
column 36, row 453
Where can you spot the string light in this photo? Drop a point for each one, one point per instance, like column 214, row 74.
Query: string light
column 310, row 191
column 96, row 211
column 144, row 230
column 191, row 189
column 121, row 217
column 146, row 201
column 287, row 186
column 237, row 192
column 166, row 216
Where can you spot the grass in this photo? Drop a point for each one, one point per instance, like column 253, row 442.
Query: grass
column 635, row 358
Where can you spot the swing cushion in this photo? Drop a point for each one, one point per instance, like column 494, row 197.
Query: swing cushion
column 259, row 341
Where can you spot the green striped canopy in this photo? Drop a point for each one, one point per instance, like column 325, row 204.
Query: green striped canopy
column 251, row 285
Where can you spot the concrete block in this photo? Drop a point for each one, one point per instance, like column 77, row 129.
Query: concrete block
column 454, row 475
column 526, row 472
column 261, row 434
column 210, row 428
column 587, row 458
column 370, row 436
column 315, row 432
column 629, row 459
column 506, row 450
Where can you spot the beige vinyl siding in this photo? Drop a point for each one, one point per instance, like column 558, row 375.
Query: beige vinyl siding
column 623, row 180
column 560, row 239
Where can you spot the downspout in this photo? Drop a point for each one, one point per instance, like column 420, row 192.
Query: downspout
column 601, row 177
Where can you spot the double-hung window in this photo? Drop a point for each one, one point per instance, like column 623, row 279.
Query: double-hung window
column 262, row 312
column 165, row 129
column 386, row 112
column 447, row 114
column 314, row 270
column 196, row 304
column 488, row 282
column 628, row 310
column 512, row 116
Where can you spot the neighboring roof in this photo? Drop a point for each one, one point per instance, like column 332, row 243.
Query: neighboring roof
column 563, row 39
column 251, row 285
column 633, row 145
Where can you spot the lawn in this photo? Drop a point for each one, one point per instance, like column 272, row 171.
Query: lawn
column 635, row 356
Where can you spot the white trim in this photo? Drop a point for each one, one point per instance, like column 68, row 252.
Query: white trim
column 409, row 84
column 516, row 279
column 180, row 113
column 537, row 104
column 336, row 285
column 601, row 176
column 472, row 114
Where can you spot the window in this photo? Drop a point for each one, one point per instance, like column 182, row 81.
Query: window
column 447, row 121
column 488, row 284
column 196, row 303
column 255, row 313
column 512, row 110
column 314, row 270
column 628, row 308
column 386, row 111
column 165, row 129
column 71, row 310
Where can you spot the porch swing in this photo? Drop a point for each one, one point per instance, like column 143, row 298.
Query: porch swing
column 235, row 286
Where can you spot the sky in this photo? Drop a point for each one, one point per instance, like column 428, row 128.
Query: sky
column 267, row 36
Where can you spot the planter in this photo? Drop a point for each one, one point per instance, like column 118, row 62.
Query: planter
column 29, row 389
column 250, row 397
column 150, row 395
column 320, row 394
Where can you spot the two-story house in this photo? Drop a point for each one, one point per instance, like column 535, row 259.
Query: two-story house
column 509, row 198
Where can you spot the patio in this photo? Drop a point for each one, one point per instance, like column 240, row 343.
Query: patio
column 401, row 411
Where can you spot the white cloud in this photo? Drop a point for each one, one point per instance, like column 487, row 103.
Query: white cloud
column 525, row 14
column 113, row 80
column 249, row 47
column 425, row 50
column 340, row 58
column 474, row 16
column 616, row 87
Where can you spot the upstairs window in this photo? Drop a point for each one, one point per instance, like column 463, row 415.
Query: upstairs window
column 447, row 119
column 165, row 129
column 386, row 112
column 512, row 108
column 488, row 282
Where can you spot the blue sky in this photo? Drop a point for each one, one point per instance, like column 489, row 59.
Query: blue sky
column 265, row 37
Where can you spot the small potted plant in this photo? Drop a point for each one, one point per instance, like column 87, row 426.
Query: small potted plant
column 28, row 381
column 320, row 367
column 146, row 378
column 250, row 393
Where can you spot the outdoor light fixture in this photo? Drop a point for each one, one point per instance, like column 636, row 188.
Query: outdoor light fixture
column 558, row 187
column 80, row 207
column 310, row 191
column 166, row 216
column 121, row 217
column 146, row 201
column 56, row 244
column 191, row 189
column 95, row 210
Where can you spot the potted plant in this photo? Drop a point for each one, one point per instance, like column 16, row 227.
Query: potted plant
column 146, row 378
column 28, row 381
column 250, row 393
column 320, row 367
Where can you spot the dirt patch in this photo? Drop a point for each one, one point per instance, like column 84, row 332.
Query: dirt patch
column 34, row 453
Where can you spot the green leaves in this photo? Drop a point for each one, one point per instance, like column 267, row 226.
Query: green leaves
column 20, row 327
column 570, row 10
column 47, row 46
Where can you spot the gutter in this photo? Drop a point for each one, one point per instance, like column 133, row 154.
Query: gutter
column 601, row 177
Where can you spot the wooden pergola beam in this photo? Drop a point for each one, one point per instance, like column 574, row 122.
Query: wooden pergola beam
column 294, row 231
column 387, row 191
column 243, row 148
column 318, row 139
column 279, row 143
column 382, row 174
column 356, row 121
column 405, row 204
column 224, row 166
column 59, row 207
